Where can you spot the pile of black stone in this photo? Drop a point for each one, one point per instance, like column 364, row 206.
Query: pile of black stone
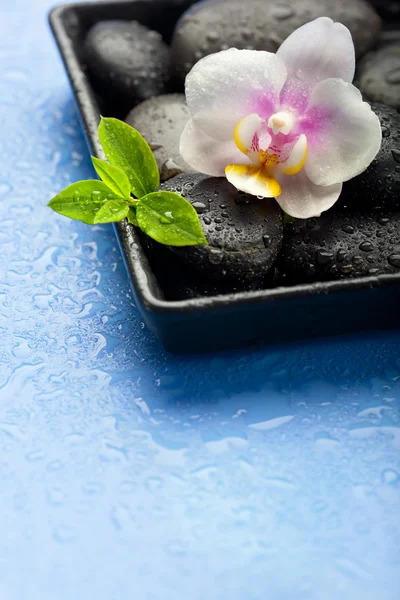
column 249, row 245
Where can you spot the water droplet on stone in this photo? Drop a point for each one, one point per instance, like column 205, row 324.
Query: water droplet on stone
column 323, row 257
column 199, row 206
column 341, row 256
column 310, row 270
column 282, row 12
column 357, row 259
column 394, row 260
column 393, row 77
column 366, row 246
column 266, row 240
column 396, row 155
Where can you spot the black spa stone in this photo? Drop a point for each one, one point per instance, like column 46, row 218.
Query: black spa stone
column 215, row 25
column 341, row 244
column 360, row 234
column 379, row 185
column 244, row 233
column 127, row 60
column 161, row 121
column 378, row 76
column 389, row 10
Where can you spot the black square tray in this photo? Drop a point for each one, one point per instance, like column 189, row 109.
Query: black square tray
column 231, row 320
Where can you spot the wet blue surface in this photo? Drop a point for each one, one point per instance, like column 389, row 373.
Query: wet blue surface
column 129, row 473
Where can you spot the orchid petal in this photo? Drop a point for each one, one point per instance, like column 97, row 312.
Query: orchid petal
column 225, row 87
column 344, row 134
column 253, row 180
column 293, row 156
column 302, row 199
column 246, row 134
column 205, row 154
column 316, row 51
column 251, row 136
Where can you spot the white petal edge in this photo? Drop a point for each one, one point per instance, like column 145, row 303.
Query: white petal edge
column 347, row 133
column 302, row 199
column 319, row 50
column 207, row 155
column 225, row 87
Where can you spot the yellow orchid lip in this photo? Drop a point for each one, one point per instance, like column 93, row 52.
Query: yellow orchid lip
column 254, row 180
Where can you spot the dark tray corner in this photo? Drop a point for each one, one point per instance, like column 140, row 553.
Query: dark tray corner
column 226, row 321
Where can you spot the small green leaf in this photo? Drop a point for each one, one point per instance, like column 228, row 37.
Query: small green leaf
column 112, row 211
column 126, row 148
column 287, row 219
column 82, row 200
column 132, row 216
column 113, row 177
column 169, row 219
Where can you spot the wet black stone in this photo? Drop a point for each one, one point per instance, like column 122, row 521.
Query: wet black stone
column 335, row 254
column 379, row 185
column 242, row 246
column 127, row 59
column 389, row 10
column 161, row 121
column 216, row 25
column 378, row 76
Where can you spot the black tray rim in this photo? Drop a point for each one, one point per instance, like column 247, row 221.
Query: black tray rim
column 137, row 260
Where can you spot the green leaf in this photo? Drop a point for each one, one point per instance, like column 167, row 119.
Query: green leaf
column 113, row 177
column 112, row 211
column 82, row 200
column 125, row 148
column 287, row 219
column 132, row 216
column 169, row 219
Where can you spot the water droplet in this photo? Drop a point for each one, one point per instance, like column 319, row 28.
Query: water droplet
column 357, row 259
column 393, row 77
column 396, row 155
column 207, row 221
column 266, row 240
column 347, row 269
column 199, row 206
column 385, row 131
column 348, row 229
column 311, row 224
column 366, row 246
column 167, row 218
column 394, row 260
column 390, row 476
column 310, row 270
column 341, row 256
column 212, row 36
column 282, row 12
column 323, row 257
column 383, row 220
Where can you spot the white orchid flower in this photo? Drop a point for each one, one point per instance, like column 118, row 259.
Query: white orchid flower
column 288, row 125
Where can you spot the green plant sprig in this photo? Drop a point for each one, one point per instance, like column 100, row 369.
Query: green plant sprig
column 127, row 189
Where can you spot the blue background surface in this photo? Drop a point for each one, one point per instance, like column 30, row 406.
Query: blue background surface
column 129, row 473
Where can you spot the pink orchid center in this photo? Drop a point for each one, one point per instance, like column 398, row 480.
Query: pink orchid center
column 272, row 149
